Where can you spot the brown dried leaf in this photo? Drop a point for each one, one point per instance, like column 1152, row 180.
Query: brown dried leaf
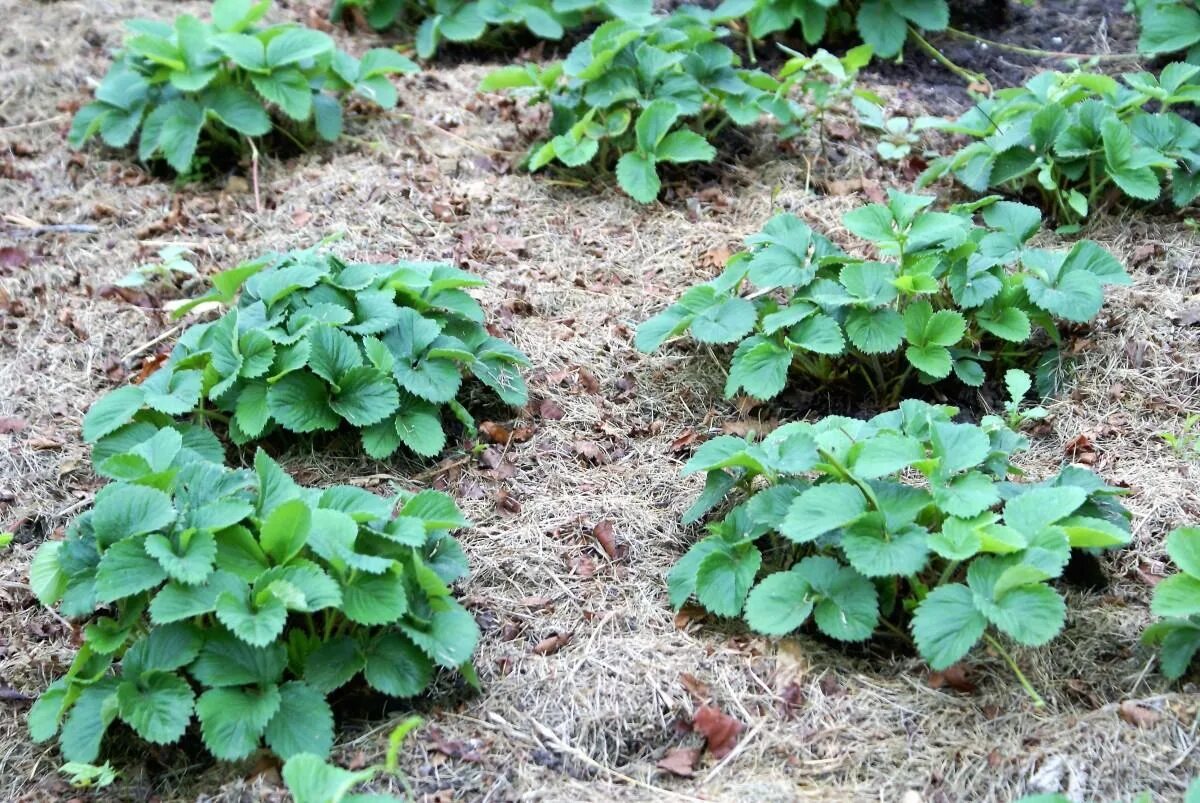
column 603, row 533
column 589, row 381
column 1138, row 715
column 11, row 424
column 720, row 730
column 13, row 257
column 552, row 643
column 550, row 410
column 955, row 677
column 680, row 761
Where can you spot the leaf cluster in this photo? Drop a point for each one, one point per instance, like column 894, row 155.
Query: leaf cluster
column 194, row 88
column 464, row 21
column 240, row 599
column 882, row 24
column 1177, row 600
column 907, row 517
column 636, row 96
column 1072, row 137
column 314, row 342
column 943, row 296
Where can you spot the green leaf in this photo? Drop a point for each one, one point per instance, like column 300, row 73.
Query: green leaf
column 1038, row 508
column 451, row 635
column 420, row 431
column 375, row 599
column 1177, row 596
column 296, row 45
column 946, row 625
column 125, row 569
column 189, row 564
column 257, row 623
column 1089, row 531
column 176, row 601
column 225, row 660
column 779, row 604
column 436, row 509
column 163, row 649
column 684, row 146
column 300, row 402
column 288, row 89
column 158, row 706
column 232, row 721
column 395, row 666
column 653, row 124
column 90, row 716
column 1183, row 546
column 760, row 368
column 638, row 176
column 875, row 331
column 822, row 508
column 724, row 577
column 311, row 780
column 303, row 723
column 885, row 454
column 849, row 606
column 366, row 396
column 1031, row 614
column 180, row 133
column 122, row 510
column 966, row 495
column 875, row 552
column 333, row 664
column 728, row 319
column 286, row 529
column 818, row 333
column 112, row 411
column 333, row 353
column 958, row 446
column 881, row 27
column 239, row 110
column 47, row 580
column 932, row 360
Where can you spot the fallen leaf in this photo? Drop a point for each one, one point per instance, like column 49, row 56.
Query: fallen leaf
column 495, row 433
column 12, row 257
column 589, row 381
column 552, row 643
column 1081, row 450
column 695, row 687
column 720, row 730
column 550, row 410
column 953, row 676
column 44, row 443
column 590, row 452
column 680, row 761
column 11, row 424
column 1138, row 715
column 603, row 533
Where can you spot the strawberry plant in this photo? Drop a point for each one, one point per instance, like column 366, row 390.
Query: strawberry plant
column 1071, row 138
column 942, row 296
column 435, row 21
column 633, row 97
column 240, row 600
column 1177, row 600
column 313, row 342
column 311, row 779
column 196, row 88
column 905, row 519
column 883, row 24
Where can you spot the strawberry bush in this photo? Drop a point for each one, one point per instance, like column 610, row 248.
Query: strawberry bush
column 908, row 519
column 239, row 600
column 633, row 97
column 313, row 342
column 942, row 296
column 1073, row 137
column 193, row 89
column 465, row 21
column 1177, row 600
column 882, row 24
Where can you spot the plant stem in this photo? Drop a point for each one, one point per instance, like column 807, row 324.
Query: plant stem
column 949, row 571
column 965, row 74
column 1033, row 51
column 1038, row 702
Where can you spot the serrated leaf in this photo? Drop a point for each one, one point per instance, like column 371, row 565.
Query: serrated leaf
column 303, row 723
column 822, row 508
column 158, row 706
column 779, row 604
column 232, row 721
column 395, row 666
column 946, row 625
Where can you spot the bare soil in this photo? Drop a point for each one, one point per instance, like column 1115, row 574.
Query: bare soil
column 572, row 270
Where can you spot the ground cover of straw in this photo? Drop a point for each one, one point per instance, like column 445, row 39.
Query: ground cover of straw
column 572, row 269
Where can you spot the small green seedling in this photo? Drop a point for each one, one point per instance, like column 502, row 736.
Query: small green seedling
column 311, row 779
column 174, row 265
